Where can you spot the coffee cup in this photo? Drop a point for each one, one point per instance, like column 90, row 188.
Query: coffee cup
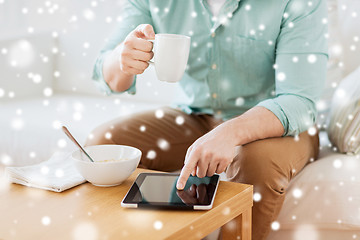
column 171, row 53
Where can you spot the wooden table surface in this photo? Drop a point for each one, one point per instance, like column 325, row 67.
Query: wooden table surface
column 90, row 212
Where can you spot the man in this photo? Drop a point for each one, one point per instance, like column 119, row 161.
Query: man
column 255, row 71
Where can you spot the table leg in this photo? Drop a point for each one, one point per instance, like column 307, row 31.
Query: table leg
column 239, row 228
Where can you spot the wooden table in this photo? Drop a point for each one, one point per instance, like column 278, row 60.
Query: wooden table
column 89, row 212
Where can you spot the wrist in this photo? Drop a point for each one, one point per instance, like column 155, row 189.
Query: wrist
column 235, row 132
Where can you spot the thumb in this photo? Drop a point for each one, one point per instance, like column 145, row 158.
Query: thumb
column 145, row 31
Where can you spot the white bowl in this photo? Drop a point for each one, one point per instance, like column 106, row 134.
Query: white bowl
column 123, row 162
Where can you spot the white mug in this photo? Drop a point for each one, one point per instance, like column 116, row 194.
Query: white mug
column 171, row 53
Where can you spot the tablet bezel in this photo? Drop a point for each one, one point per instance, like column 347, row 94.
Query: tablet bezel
column 140, row 179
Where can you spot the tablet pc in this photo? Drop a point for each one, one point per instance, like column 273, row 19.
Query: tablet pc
column 158, row 190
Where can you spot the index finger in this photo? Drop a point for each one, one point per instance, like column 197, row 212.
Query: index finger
column 186, row 170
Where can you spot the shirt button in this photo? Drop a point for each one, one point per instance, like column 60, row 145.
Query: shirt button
column 213, row 66
column 214, row 95
column 213, row 34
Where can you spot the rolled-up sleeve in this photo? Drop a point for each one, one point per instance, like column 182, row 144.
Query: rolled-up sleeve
column 300, row 69
column 134, row 13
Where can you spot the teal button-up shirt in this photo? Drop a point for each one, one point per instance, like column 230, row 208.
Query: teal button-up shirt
column 269, row 53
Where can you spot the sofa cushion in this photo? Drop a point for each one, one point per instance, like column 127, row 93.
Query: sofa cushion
column 344, row 125
column 324, row 195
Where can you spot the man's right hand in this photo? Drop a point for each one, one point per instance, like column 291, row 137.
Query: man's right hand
column 135, row 51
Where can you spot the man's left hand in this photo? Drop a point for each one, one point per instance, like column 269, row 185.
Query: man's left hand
column 209, row 154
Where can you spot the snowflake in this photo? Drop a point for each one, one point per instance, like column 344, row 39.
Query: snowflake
column 32, row 154
column 108, row 135
column 312, row 131
column 88, row 14
column 248, row 7
column 56, row 74
column 297, row 193
column 257, row 197
column 93, row 3
column 311, row 58
column 37, row 78
column 340, row 93
column 226, row 211
column 61, row 143
column 11, row 94
column 281, row 76
column 337, row 163
column 73, row 19
column 194, row 14
column 59, row 173
column 48, row 92
column 17, row 124
column 77, row 116
column 239, row 101
column 179, row 120
column 142, row 128
column 108, row 19
column 275, row 225
column 54, row 34
column 45, row 220
column 291, row 24
column 158, row 225
column 40, row 11
column 151, row 154
column 261, row 27
column 159, row 113
column 163, row 144
column 6, row 159
column 296, row 138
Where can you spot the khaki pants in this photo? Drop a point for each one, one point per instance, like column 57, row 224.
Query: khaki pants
column 164, row 135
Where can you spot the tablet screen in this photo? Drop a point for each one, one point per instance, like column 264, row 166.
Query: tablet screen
column 159, row 190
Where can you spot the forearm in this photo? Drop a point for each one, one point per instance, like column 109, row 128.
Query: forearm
column 257, row 123
column 117, row 80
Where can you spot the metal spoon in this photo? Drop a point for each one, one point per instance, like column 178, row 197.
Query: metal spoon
column 68, row 134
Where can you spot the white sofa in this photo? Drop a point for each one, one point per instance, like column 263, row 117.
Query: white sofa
column 321, row 203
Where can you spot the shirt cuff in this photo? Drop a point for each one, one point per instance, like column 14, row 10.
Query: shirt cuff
column 100, row 82
column 295, row 113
